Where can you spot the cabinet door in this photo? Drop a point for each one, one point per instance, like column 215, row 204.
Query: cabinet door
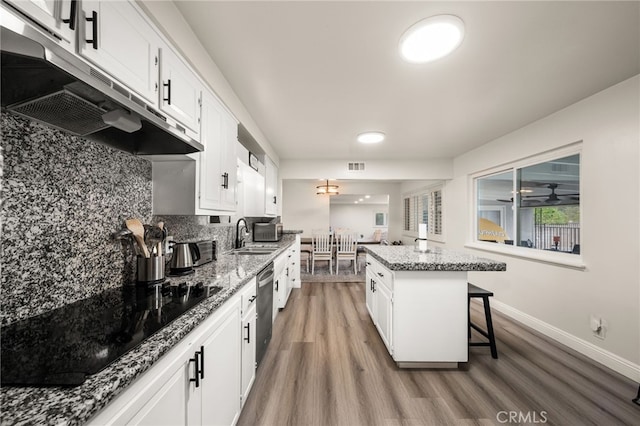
column 271, row 188
column 369, row 294
column 122, row 44
column 180, row 93
column 228, row 162
column 58, row 16
column 222, row 370
column 211, row 177
column 248, row 351
column 168, row 405
column 384, row 315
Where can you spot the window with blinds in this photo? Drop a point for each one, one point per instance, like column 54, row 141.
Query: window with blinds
column 424, row 207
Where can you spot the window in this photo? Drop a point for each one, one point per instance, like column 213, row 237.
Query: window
column 424, row 206
column 534, row 205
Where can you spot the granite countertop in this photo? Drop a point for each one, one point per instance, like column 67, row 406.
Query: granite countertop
column 76, row 405
column 406, row 258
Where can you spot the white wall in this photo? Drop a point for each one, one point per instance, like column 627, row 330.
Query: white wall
column 359, row 218
column 302, row 209
column 555, row 299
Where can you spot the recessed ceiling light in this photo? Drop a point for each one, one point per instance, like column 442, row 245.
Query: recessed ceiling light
column 367, row 196
column 371, row 137
column 431, row 39
column 361, row 200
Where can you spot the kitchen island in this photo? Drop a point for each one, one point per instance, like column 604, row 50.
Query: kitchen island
column 230, row 275
column 418, row 302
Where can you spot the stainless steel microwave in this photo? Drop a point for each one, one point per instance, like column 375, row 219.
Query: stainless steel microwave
column 267, row 232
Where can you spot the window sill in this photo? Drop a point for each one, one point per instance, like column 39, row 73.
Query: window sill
column 550, row 257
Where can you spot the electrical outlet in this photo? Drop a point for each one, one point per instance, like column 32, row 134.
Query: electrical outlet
column 598, row 326
column 168, row 248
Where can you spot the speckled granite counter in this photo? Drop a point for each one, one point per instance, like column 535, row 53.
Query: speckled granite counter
column 73, row 406
column 406, row 258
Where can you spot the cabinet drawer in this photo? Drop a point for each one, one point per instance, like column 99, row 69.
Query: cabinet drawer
column 382, row 274
column 248, row 296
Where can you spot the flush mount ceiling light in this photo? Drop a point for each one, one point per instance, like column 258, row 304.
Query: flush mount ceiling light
column 371, row 137
column 431, row 39
column 327, row 189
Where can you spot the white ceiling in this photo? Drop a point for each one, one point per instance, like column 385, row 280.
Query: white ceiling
column 315, row 74
column 352, row 198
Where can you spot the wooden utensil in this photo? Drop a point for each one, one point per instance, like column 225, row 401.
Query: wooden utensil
column 137, row 230
column 159, row 245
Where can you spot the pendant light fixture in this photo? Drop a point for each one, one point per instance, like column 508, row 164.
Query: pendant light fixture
column 327, row 189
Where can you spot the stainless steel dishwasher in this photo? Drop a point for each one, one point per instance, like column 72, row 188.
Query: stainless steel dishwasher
column 265, row 311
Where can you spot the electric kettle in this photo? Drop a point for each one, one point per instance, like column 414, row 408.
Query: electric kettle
column 184, row 254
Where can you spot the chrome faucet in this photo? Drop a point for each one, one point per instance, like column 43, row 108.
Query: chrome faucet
column 239, row 239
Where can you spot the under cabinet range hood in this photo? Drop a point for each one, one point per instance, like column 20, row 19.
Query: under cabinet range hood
column 44, row 82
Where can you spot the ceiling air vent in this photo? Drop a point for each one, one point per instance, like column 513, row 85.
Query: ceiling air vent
column 356, row 167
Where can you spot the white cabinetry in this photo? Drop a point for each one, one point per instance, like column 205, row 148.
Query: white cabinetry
column 116, row 37
column 180, row 92
column 197, row 382
column 58, row 16
column 279, row 282
column 248, row 339
column 203, row 183
column 218, row 175
column 219, row 399
column 379, row 300
column 271, row 188
column 421, row 316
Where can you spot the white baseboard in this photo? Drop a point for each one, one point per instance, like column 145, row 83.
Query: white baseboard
column 602, row 356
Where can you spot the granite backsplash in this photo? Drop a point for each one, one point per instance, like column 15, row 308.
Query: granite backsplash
column 62, row 198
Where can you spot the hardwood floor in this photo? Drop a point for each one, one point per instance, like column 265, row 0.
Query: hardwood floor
column 326, row 365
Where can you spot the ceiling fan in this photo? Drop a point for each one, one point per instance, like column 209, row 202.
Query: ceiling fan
column 551, row 198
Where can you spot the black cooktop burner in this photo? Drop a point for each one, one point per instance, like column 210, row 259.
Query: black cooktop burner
column 64, row 346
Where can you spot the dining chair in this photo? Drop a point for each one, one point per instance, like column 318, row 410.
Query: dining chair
column 347, row 249
column 322, row 250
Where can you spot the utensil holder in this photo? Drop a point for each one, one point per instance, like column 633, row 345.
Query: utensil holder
column 150, row 269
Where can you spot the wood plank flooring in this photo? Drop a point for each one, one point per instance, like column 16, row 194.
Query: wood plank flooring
column 326, row 365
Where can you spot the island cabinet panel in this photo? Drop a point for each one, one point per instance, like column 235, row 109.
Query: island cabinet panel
column 430, row 316
column 421, row 316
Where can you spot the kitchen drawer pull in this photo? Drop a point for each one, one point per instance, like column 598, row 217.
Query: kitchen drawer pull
column 248, row 328
column 274, row 199
column 380, row 274
column 72, row 15
column 368, row 263
column 252, row 298
column 168, row 86
column 225, row 180
column 197, row 369
column 277, row 284
column 94, row 26
column 202, row 362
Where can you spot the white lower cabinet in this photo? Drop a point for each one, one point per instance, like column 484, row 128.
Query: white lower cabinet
column 421, row 316
column 248, row 339
column 384, row 314
column 369, row 292
column 168, row 406
column 198, row 382
column 220, row 377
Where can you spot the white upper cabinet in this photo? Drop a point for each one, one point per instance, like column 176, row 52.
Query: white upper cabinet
column 203, row 183
column 271, row 188
column 218, row 173
column 58, row 16
column 180, row 92
column 115, row 36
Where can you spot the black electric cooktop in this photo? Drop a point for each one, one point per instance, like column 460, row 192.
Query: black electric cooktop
column 64, row 346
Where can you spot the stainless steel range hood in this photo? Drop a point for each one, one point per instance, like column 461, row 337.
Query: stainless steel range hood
column 44, row 82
